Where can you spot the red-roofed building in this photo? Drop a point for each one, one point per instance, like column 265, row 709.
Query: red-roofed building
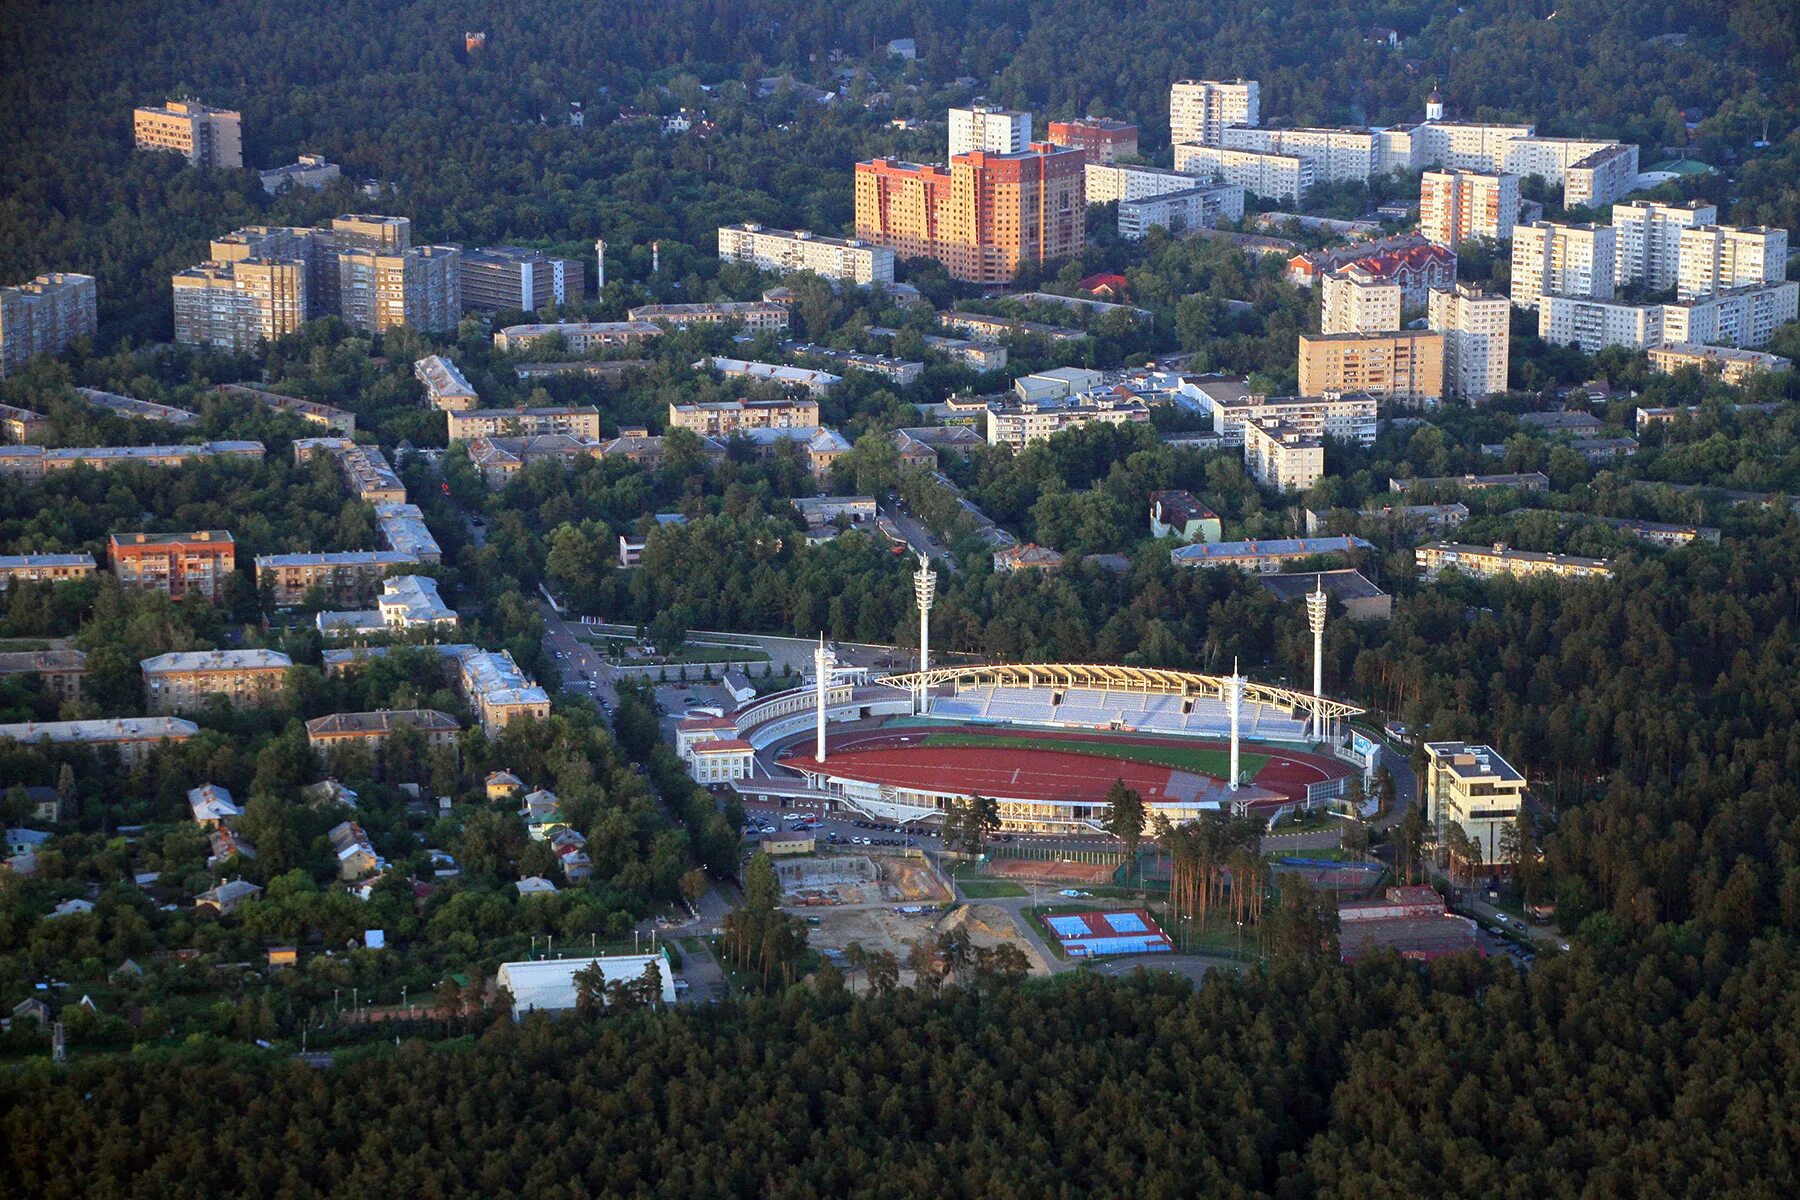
column 1409, row 260
column 1109, row 284
column 1411, row 921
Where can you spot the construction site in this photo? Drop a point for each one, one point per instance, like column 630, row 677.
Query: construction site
column 896, row 929
column 860, row 879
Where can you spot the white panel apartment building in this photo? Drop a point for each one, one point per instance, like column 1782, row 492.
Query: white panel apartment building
column 1717, row 258
column 1475, row 326
column 1593, row 171
column 1336, row 155
column 1594, row 324
column 988, row 127
column 1464, row 147
column 1107, row 182
column 843, row 260
column 1650, row 239
column 1282, row 456
column 1455, row 206
column 1201, row 109
column 1270, row 176
column 1745, row 317
column 1562, row 260
column 1354, row 300
column 1178, row 212
column 1347, row 417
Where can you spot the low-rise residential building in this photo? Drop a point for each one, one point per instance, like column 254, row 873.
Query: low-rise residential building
column 1473, row 787
column 336, row 420
column 984, row 327
column 723, row 418
column 131, row 738
column 591, row 368
column 756, row 316
column 174, row 563
column 1279, row 454
column 977, row 356
column 1264, row 557
column 183, row 680
column 1491, row 562
column 368, row 475
column 899, row 370
column 44, row 317
column 821, row 446
column 344, row 577
column 1573, row 421
column 581, row 422
column 1662, row 533
column 1019, row 425
column 1179, row 514
column 1362, row 600
column 842, row 260
column 43, row 568
column 33, row 463
column 356, row 856
column 401, row 527
column 308, row 171
column 1529, row 481
column 1404, row 365
column 21, row 426
column 446, row 388
column 1029, row 557
column 1604, row 449
column 581, row 337
column 371, row 731
column 212, row 806
column 815, row 381
column 131, row 406
column 1730, row 363
column 920, row 445
column 496, row 688
column 61, row 671
column 500, row 459
column 227, row 897
column 406, row 603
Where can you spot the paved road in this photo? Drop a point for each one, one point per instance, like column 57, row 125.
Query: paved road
column 583, row 668
column 917, row 536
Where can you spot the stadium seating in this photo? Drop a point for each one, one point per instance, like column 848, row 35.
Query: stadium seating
column 1093, row 707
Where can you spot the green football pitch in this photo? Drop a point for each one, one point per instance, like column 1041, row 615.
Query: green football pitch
column 1198, row 760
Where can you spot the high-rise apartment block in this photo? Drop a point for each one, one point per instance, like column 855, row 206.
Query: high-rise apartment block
column 1649, row 234
column 990, row 128
column 1745, row 316
column 1105, row 141
column 842, row 260
column 1455, row 206
column 174, row 563
column 1406, row 365
column 1129, row 181
column 1475, row 326
column 237, row 305
column 1336, row 155
column 1200, row 110
column 44, row 316
column 1354, row 300
column 1283, row 177
column 1593, row 172
column 984, row 216
column 420, row 286
column 1563, row 260
column 206, row 137
column 507, row 277
column 1595, row 324
column 1717, row 258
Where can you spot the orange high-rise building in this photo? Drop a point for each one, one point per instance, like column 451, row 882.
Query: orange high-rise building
column 984, row 216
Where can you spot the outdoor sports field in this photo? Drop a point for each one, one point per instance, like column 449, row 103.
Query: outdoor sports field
column 1201, row 760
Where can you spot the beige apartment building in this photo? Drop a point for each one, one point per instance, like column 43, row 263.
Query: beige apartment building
column 183, row 681
column 131, row 738
column 1732, row 364
column 1405, row 365
column 1474, row 788
column 1200, row 110
column 1356, row 300
column 32, row 463
column 1457, row 206
column 45, row 316
column 206, row 137
column 373, row 731
column 347, row 578
column 1492, row 562
column 581, row 337
column 238, row 305
column 724, row 418
column 43, row 568
column 61, row 671
column 21, row 426
column 1282, row 456
column 1476, row 328
column 420, row 286
column 174, row 563
column 446, row 388
column 581, row 422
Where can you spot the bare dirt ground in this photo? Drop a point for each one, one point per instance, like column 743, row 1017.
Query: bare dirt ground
column 898, row 880
column 1048, row 871
column 881, row 929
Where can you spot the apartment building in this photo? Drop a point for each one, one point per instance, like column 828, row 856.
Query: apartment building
column 1649, row 239
column 1745, row 317
column 989, row 128
column 818, row 446
column 132, row 739
column 1463, row 146
column 184, row 680
column 419, row 286
column 336, row 420
column 1593, row 172
column 32, row 463
column 1477, row 343
column 140, row 410
column 446, row 388
column 174, row 564
column 1102, row 140
column 813, row 380
column 581, row 422
column 1718, row 258
column 1019, row 425
column 368, row 476
column 1407, row 259
column 1104, row 183
column 1263, row 557
column 784, row 251
column 206, row 137
column 1349, row 417
column 43, row 568
column 581, row 337
column 1264, row 174
column 1356, row 300
column 1473, row 788
column 495, row 687
column 237, row 306
column 372, row 731
column 21, row 426
column 1493, row 562
column 722, row 419
column 1731, row 364
column 1455, row 206
column 402, row 527
column 984, row 216
column 315, row 249
column 507, row 277
column 755, row 316
column 344, row 577
column 1282, row 456
column 1563, row 260
column 1594, row 324
column 45, row 316
column 899, row 370
column 372, row 231
column 1530, row 481
column 407, row 603
column 61, row 672
column 1180, row 212
column 1406, row 365
column 308, row 171
column 500, row 459
column 1200, row 110
column 1336, row 155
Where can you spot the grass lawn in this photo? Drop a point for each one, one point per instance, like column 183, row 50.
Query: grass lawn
column 1198, row 760
column 22, row 645
column 989, row 889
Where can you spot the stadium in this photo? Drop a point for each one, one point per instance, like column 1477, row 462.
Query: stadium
column 1046, row 741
